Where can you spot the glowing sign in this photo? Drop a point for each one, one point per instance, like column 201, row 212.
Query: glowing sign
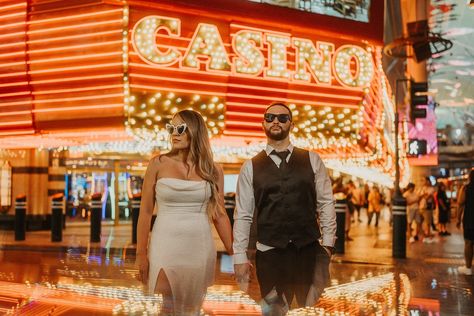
column 352, row 65
column 416, row 147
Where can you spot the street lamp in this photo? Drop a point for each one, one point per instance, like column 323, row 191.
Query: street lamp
column 420, row 44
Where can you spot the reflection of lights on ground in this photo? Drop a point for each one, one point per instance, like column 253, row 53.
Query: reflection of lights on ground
column 376, row 295
column 219, row 300
column 372, row 296
column 224, row 300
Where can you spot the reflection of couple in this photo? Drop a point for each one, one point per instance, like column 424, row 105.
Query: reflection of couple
column 287, row 188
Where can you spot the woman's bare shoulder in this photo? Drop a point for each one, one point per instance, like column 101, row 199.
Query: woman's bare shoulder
column 155, row 162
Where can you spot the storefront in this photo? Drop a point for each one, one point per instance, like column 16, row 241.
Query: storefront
column 116, row 181
column 106, row 76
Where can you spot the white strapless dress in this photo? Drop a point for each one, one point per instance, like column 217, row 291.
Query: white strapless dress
column 181, row 242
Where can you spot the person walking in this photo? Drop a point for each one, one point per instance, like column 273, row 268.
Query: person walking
column 288, row 192
column 465, row 217
column 178, row 260
column 427, row 206
column 443, row 209
column 413, row 212
column 375, row 205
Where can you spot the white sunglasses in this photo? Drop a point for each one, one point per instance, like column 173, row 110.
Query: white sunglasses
column 179, row 129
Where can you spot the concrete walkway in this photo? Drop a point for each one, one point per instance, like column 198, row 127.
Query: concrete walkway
column 435, row 284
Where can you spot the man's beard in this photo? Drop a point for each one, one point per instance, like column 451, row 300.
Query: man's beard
column 277, row 135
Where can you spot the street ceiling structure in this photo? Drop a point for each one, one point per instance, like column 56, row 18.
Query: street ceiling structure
column 451, row 74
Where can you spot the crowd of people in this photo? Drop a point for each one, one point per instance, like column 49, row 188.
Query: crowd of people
column 428, row 211
column 360, row 197
column 429, row 207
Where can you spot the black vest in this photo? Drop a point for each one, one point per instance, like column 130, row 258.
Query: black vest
column 285, row 201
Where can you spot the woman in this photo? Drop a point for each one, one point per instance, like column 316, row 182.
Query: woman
column 413, row 212
column 375, row 205
column 187, row 185
column 443, row 209
column 466, row 216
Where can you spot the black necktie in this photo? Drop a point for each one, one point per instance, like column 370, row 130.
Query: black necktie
column 282, row 155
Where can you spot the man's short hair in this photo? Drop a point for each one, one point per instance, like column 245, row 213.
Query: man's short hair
column 280, row 104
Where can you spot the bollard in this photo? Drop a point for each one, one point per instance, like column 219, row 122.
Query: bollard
column 399, row 237
column 57, row 217
column 20, row 217
column 135, row 205
column 96, row 216
column 341, row 209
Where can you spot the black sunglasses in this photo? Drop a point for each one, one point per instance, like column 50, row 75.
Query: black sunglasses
column 180, row 129
column 282, row 118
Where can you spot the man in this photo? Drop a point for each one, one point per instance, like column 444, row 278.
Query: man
column 289, row 192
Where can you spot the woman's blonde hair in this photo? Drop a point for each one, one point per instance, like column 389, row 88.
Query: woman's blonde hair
column 200, row 155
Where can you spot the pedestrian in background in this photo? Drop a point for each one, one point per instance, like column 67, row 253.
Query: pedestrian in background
column 375, row 205
column 350, row 192
column 443, row 209
column 427, row 206
column 466, row 217
column 413, row 212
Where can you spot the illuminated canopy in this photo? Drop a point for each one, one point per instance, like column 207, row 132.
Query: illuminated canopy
column 83, row 75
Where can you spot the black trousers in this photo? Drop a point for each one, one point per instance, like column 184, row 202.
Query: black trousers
column 289, row 270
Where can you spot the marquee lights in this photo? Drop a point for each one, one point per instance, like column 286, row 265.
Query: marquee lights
column 248, row 45
column 277, row 59
column 143, row 38
column 207, row 42
column 365, row 67
column 318, row 62
column 148, row 114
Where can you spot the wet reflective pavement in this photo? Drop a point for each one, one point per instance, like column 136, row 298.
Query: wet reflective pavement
column 38, row 278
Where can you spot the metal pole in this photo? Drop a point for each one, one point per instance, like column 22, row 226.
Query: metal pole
column 57, row 219
column 96, row 218
column 135, row 206
column 399, row 209
column 20, row 218
column 397, row 155
column 116, row 191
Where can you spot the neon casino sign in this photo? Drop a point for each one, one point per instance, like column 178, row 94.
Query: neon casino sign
column 351, row 65
column 336, row 90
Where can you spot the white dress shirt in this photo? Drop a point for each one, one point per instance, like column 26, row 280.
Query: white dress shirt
column 245, row 205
